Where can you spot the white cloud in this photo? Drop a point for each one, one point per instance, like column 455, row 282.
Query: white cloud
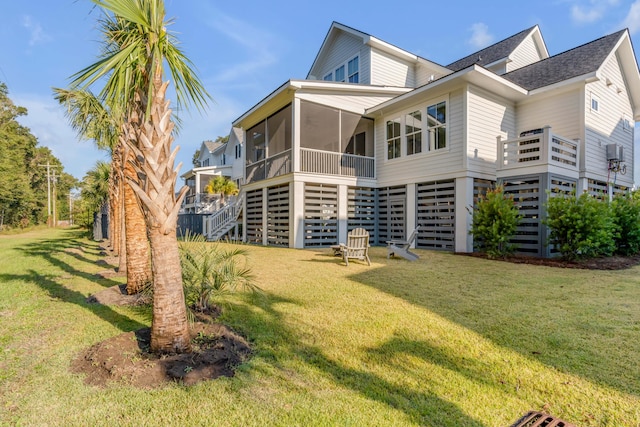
column 632, row 21
column 480, row 36
column 37, row 34
column 591, row 12
column 48, row 124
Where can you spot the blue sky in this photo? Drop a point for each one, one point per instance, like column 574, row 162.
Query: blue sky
column 245, row 50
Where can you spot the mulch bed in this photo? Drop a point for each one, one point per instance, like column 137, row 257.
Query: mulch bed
column 603, row 263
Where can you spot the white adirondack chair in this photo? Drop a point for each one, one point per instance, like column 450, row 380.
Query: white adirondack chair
column 357, row 246
column 401, row 247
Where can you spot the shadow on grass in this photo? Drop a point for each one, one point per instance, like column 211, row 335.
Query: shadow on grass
column 278, row 345
column 522, row 328
column 62, row 293
column 49, row 251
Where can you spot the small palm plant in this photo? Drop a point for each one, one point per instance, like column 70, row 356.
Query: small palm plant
column 210, row 272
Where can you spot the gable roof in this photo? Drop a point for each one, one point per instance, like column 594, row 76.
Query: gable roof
column 212, row 146
column 370, row 40
column 493, row 53
column 564, row 66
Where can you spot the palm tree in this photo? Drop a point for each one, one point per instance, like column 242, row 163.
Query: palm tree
column 137, row 45
column 93, row 120
column 223, row 186
column 95, row 187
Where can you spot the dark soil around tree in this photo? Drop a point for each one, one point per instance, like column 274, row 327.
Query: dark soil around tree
column 126, row 359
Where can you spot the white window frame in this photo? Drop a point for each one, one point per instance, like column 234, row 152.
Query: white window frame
column 394, row 138
column 333, row 75
column 427, row 128
column 409, row 135
column 627, row 125
column 427, row 143
column 594, row 103
column 357, row 71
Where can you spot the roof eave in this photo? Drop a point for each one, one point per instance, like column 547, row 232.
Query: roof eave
column 475, row 74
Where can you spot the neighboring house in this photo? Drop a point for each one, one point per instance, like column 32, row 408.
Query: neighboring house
column 214, row 159
column 380, row 138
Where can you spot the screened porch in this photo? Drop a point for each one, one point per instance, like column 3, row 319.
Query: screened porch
column 332, row 142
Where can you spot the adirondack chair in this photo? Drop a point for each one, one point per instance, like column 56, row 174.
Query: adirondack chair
column 401, row 247
column 357, row 246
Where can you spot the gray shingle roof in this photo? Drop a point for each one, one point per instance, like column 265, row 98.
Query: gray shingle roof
column 212, row 146
column 491, row 54
column 576, row 62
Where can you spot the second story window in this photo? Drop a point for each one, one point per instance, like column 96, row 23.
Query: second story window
column 437, row 125
column 238, row 151
column 353, row 70
column 393, row 139
column 205, row 162
column 595, row 103
column 413, row 132
column 340, row 73
column 328, row 77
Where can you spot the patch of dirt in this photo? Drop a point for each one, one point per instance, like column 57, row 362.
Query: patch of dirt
column 117, row 295
column 125, row 358
column 604, row 263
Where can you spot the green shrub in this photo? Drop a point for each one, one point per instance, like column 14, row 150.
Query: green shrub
column 495, row 220
column 580, row 227
column 626, row 216
column 210, row 271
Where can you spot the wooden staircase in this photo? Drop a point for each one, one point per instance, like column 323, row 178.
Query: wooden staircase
column 217, row 225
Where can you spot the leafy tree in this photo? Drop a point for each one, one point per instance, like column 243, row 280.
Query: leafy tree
column 626, row 217
column 580, row 227
column 23, row 179
column 495, row 220
column 194, row 160
column 137, row 47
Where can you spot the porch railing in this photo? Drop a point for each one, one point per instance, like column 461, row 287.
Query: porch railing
column 277, row 165
column 312, row 161
column 542, row 148
column 331, row 163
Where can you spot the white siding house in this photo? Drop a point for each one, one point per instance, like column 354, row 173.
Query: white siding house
column 380, row 138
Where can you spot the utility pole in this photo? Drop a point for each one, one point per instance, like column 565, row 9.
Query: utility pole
column 49, row 166
column 55, row 219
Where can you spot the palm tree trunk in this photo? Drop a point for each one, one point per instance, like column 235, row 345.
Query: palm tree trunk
column 154, row 162
column 169, row 328
column 137, row 243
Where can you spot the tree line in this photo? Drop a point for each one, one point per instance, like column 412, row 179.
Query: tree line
column 27, row 192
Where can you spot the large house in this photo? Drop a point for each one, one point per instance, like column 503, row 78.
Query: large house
column 380, row 138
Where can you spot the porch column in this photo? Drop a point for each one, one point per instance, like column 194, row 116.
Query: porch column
column 197, row 187
column 411, row 211
column 296, row 215
column 343, row 212
column 463, row 219
column 295, row 143
column 582, row 186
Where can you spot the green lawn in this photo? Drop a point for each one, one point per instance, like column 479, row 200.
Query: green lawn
column 446, row 341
